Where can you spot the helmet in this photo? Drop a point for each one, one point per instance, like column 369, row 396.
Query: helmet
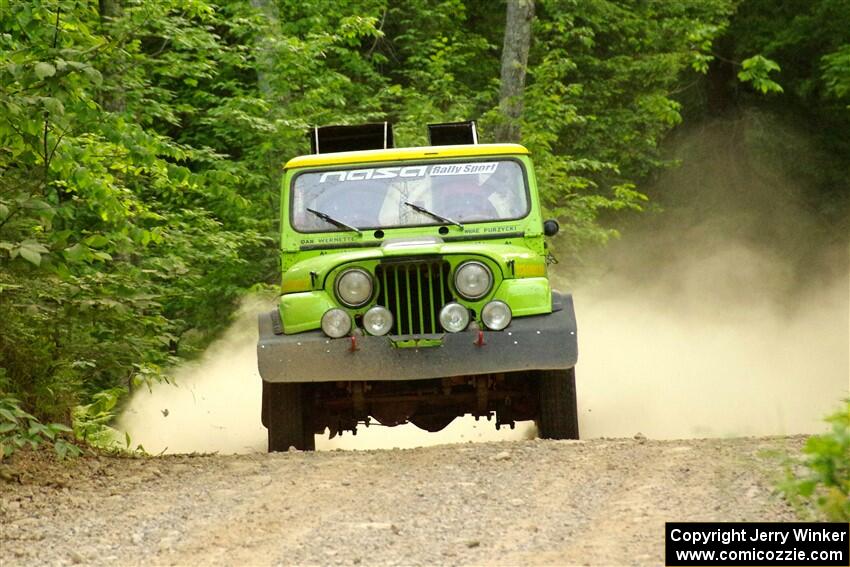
column 461, row 198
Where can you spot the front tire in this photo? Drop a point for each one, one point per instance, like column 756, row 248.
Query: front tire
column 558, row 412
column 264, row 405
column 288, row 417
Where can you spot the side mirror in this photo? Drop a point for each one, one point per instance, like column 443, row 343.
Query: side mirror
column 551, row 227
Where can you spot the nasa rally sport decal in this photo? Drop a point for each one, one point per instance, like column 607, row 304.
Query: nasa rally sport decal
column 409, row 171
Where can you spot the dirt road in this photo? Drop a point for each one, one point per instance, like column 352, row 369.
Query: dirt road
column 511, row 503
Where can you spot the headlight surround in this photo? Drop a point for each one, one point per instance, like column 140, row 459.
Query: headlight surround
column 454, row 317
column 336, row 323
column 378, row 321
column 354, row 287
column 473, row 280
column 496, row 315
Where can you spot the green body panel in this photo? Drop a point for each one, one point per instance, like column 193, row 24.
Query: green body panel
column 303, row 311
column 514, row 251
column 416, row 343
column 512, row 258
column 526, row 296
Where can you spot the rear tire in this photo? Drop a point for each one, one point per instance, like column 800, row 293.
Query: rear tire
column 288, row 417
column 558, row 413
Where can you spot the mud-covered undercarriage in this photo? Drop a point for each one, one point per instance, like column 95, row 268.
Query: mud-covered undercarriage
column 429, row 404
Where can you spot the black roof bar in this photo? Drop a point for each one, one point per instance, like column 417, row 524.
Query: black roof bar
column 452, row 133
column 331, row 139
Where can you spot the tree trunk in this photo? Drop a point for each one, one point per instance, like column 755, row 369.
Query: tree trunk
column 109, row 9
column 520, row 13
column 263, row 46
column 113, row 100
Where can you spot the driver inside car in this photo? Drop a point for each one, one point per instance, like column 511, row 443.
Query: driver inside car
column 460, row 198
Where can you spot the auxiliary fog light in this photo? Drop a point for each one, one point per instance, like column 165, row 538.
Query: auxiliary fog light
column 336, row 323
column 496, row 315
column 378, row 321
column 454, row 317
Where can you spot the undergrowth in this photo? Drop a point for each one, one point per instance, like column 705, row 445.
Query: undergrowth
column 818, row 481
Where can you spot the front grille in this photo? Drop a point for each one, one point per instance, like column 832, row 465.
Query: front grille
column 414, row 292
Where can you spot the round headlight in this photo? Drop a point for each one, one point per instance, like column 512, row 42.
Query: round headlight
column 354, row 287
column 454, row 317
column 378, row 321
column 336, row 323
column 496, row 315
column 473, row 280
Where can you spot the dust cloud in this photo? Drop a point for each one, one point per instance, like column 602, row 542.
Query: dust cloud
column 728, row 312
column 725, row 315
column 690, row 357
column 214, row 406
column 683, row 356
column 213, row 403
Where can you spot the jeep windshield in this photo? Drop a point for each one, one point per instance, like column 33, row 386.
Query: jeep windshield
column 408, row 195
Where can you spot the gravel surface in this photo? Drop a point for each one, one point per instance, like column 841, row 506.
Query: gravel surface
column 599, row 502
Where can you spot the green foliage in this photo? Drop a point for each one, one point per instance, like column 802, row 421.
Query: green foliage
column 836, row 73
column 824, row 478
column 801, row 36
column 92, row 421
column 805, row 47
column 757, row 70
column 19, row 429
column 125, row 220
column 603, row 76
column 141, row 143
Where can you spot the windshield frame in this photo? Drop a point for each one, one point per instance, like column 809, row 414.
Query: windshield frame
column 434, row 223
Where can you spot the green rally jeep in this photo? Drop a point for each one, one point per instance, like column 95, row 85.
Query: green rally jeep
column 415, row 289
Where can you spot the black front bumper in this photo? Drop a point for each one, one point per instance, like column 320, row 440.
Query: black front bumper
column 539, row 342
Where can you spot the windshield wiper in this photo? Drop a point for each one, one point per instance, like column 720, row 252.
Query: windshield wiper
column 433, row 215
column 327, row 218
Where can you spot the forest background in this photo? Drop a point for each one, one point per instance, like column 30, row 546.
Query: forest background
column 141, row 145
